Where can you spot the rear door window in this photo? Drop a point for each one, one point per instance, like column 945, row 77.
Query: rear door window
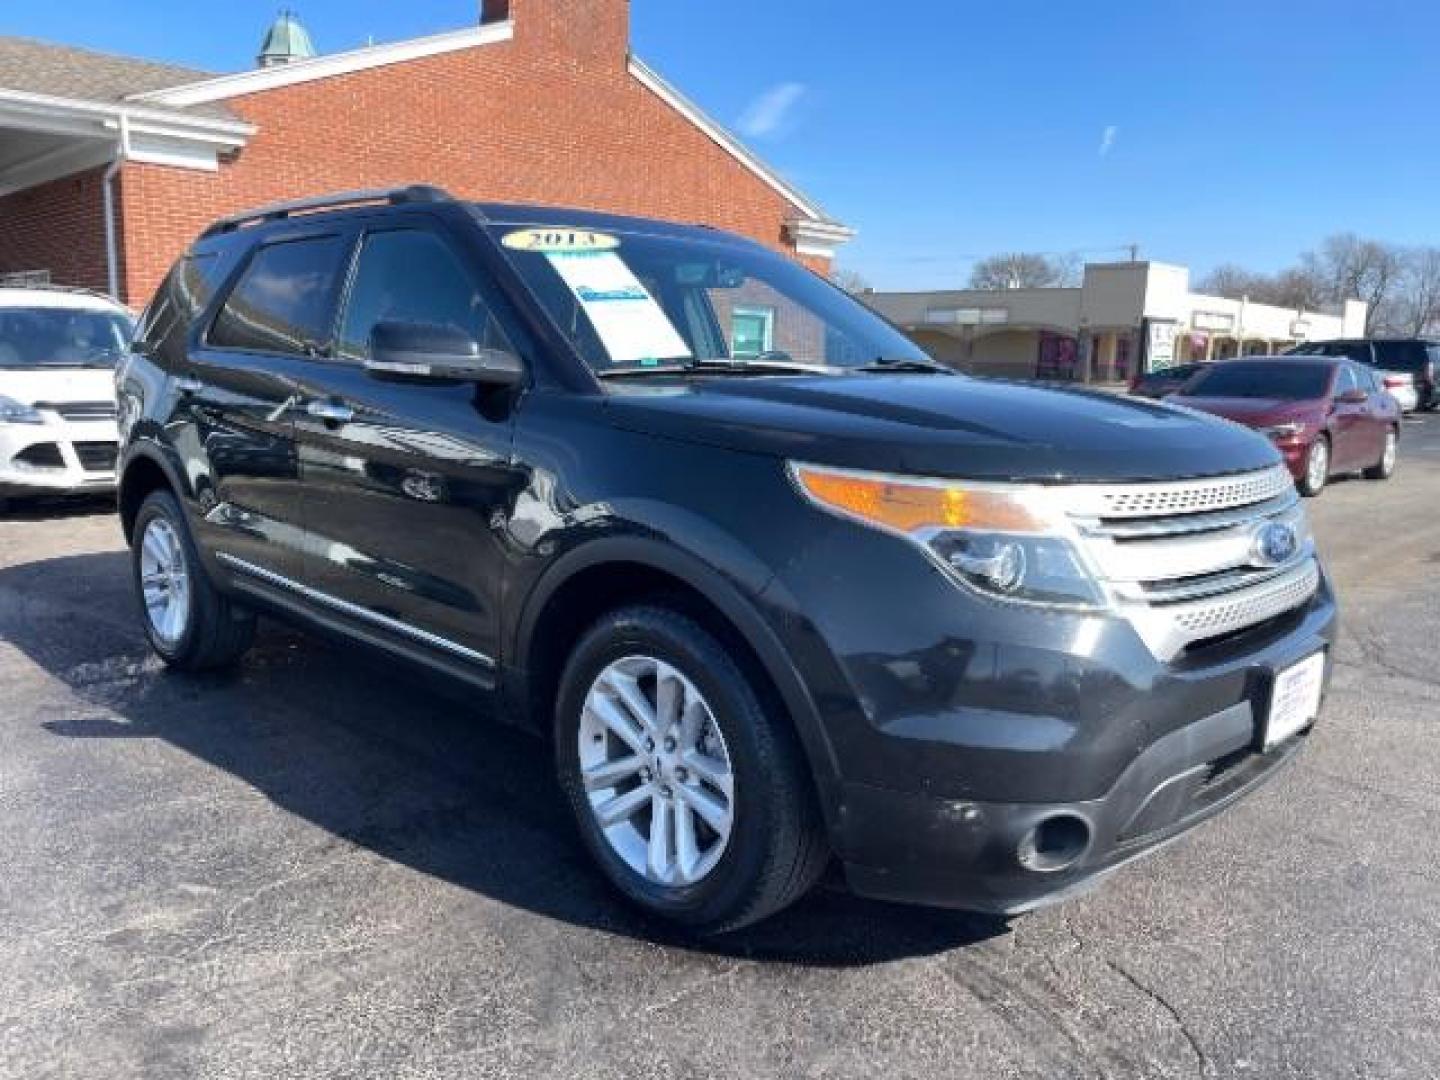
column 284, row 302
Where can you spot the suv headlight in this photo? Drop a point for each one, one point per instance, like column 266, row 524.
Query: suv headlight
column 1004, row 541
column 15, row 412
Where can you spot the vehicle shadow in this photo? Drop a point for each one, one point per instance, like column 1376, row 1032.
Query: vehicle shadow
column 55, row 507
column 364, row 749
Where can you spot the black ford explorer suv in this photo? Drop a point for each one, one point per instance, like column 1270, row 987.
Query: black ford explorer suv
column 778, row 590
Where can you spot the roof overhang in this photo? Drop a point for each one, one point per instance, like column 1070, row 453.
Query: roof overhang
column 50, row 137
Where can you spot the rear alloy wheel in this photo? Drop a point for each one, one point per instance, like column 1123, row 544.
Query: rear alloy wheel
column 1385, row 467
column 1317, row 468
column 191, row 625
column 686, row 780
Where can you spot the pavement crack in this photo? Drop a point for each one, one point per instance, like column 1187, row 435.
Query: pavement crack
column 1202, row 1060
column 1203, row 1065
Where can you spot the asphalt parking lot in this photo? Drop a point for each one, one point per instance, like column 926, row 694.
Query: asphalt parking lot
column 311, row 868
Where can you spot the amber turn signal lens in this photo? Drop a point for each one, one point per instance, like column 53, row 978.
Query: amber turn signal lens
column 908, row 508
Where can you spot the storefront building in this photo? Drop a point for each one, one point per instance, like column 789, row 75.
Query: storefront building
column 1124, row 318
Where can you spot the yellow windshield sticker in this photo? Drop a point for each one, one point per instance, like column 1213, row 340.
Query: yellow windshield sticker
column 560, row 241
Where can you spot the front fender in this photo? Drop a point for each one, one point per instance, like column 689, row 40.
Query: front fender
column 725, row 593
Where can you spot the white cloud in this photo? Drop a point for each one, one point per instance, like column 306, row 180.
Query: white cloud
column 769, row 115
column 1107, row 139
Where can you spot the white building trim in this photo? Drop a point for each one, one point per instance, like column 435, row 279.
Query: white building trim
column 820, row 239
column 94, row 128
column 328, row 66
column 732, row 145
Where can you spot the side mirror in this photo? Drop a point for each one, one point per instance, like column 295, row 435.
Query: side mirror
column 1353, row 397
column 426, row 351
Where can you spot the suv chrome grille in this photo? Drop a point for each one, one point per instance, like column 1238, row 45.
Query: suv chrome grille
column 1187, row 496
column 1180, row 559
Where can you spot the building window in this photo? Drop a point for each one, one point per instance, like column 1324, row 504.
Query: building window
column 752, row 331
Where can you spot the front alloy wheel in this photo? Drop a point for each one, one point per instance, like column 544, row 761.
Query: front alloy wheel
column 686, row 778
column 656, row 771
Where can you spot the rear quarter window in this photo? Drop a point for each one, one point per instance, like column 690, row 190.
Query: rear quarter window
column 284, row 301
column 186, row 292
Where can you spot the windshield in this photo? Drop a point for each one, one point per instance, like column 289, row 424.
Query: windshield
column 631, row 301
column 61, row 337
column 1283, row 380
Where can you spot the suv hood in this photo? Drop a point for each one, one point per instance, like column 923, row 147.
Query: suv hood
column 941, row 426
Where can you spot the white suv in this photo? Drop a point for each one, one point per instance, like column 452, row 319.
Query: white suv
column 58, row 350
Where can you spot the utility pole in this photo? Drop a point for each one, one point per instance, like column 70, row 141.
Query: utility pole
column 1134, row 250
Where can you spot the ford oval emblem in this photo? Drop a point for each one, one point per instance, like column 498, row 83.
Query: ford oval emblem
column 1275, row 544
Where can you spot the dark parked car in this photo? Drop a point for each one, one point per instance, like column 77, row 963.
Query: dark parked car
column 1163, row 381
column 1325, row 416
column 778, row 590
column 1414, row 356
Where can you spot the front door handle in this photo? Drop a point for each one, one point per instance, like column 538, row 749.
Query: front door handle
column 332, row 412
column 188, row 384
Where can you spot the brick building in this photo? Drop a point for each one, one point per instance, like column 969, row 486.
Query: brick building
column 110, row 166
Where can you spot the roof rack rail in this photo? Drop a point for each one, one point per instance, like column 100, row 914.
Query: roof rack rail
column 413, row 193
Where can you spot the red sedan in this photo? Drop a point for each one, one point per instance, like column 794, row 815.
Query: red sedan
column 1324, row 416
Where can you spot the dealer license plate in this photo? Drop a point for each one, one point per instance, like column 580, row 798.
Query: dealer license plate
column 1295, row 699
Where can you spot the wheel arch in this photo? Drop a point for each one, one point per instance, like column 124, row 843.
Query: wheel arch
column 610, row 573
column 145, row 470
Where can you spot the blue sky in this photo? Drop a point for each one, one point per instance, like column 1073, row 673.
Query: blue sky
column 1205, row 133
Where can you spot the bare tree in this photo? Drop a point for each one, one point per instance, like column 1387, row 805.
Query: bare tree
column 849, row 280
column 1296, row 287
column 1351, row 267
column 1232, row 282
column 1022, row 270
column 1417, row 311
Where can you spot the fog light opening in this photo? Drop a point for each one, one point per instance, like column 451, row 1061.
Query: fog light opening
column 1056, row 844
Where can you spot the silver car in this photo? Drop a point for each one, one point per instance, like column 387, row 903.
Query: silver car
column 1400, row 385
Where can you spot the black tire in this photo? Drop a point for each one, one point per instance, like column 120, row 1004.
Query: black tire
column 1311, row 487
column 217, row 632
column 1385, row 467
column 777, row 847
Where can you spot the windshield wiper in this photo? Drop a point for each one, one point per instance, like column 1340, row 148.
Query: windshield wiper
column 764, row 364
column 638, row 372
column 906, row 364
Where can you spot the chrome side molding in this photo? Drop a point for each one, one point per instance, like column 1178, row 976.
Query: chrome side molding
column 354, row 611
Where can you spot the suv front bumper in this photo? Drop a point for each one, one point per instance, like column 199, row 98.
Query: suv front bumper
column 982, row 854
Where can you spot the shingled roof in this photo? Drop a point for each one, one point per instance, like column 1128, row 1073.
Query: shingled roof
column 39, row 67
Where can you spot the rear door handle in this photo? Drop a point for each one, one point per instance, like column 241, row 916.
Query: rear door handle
column 332, row 412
